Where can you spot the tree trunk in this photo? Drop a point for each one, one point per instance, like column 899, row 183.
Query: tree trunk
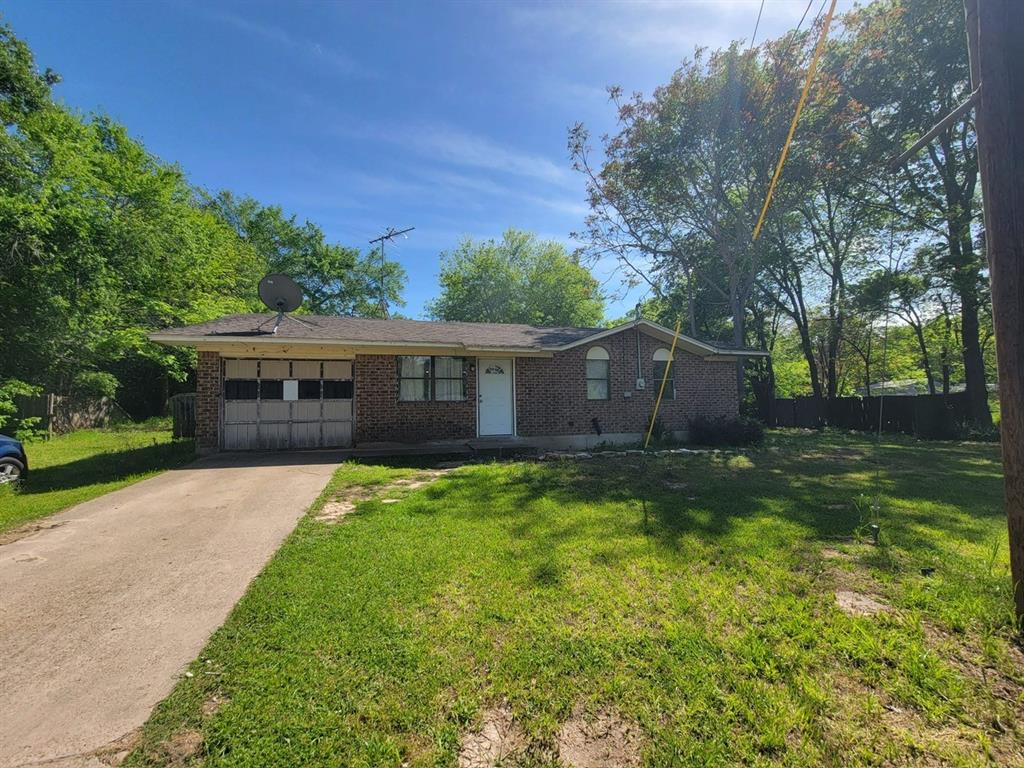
column 925, row 361
column 996, row 42
column 974, row 362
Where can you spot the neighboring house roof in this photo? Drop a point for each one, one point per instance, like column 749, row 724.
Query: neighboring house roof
column 367, row 332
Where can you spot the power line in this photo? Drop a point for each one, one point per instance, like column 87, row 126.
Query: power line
column 796, row 118
column 753, row 37
column 388, row 236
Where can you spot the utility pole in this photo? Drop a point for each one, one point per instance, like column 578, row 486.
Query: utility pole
column 995, row 29
column 391, row 234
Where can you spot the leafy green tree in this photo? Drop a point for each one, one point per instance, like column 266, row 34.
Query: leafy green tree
column 335, row 280
column 913, row 69
column 102, row 242
column 518, row 279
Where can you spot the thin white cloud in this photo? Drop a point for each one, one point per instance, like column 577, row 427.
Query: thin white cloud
column 453, row 145
column 281, row 37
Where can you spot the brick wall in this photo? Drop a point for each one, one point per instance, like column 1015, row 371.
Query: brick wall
column 381, row 417
column 551, row 394
column 208, row 402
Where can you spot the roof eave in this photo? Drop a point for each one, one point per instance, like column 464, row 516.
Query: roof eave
column 181, row 340
column 666, row 334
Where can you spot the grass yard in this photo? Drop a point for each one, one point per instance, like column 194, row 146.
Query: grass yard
column 535, row 599
column 69, row 469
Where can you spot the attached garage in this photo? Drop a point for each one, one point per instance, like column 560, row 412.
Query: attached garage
column 280, row 404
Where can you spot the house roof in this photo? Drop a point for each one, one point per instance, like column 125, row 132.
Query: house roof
column 362, row 332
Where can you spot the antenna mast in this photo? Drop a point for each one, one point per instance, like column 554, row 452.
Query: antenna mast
column 391, row 234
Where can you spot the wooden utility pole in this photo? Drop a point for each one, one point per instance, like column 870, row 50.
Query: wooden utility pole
column 995, row 30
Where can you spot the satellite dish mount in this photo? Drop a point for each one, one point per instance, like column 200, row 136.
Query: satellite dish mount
column 283, row 295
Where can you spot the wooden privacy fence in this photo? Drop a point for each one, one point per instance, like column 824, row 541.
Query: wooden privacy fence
column 58, row 414
column 927, row 416
column 183, row 414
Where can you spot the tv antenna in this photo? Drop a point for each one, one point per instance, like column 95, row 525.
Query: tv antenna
column 388, row 236
column 281, row 294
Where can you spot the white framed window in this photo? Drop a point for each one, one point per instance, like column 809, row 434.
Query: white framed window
column 661, row 361
column 599, row 374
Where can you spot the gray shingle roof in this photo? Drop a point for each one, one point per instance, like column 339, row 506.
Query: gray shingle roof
column 366, row 330
column 362, row 330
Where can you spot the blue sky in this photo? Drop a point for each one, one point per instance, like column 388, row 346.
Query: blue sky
column 450, row 117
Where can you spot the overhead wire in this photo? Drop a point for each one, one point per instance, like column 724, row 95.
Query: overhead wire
column 811, row 70
column 771, row 189
column 753, row 37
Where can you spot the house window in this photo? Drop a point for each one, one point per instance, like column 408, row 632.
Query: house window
column 598, row 374
column 661, row 362
column 413, row 378
column 449, row 379
column 422, row 378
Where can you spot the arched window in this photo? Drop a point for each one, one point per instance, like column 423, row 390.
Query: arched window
column 661, row 359
column 599, row 385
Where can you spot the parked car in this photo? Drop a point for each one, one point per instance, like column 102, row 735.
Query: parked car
column 13, row 461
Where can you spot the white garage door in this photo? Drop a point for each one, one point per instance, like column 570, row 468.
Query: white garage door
column 279, row 404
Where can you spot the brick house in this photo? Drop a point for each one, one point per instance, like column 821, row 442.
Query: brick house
column 341, row 381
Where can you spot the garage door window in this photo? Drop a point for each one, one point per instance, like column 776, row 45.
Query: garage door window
column 271, row 390
column 309, row 389
column 337, row 390
column 241, row 389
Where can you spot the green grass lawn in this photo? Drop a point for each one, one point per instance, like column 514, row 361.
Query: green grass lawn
column 710, row 627
column 79, row 466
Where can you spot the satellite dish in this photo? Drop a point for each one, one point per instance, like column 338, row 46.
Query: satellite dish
column 283, row 295
column 280, row 293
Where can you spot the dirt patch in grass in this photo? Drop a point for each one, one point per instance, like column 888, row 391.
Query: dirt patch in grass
column 856, row 604
column 213, row 705
column 344, row 503
column 499, row 740
column 606, row 741
column 181, row 747
column 114, row 753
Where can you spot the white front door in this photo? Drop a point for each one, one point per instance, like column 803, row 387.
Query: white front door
column 495, row 384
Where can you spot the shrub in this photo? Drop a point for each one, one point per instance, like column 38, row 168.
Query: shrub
column 726, row 431
column 24, row 428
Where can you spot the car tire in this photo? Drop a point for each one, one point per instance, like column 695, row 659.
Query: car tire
column 11, row 470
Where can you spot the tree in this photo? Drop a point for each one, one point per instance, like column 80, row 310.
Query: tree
column 518, row 279
column 101, row 242
column 681, row 184
column 335, row 280
column 913, row 69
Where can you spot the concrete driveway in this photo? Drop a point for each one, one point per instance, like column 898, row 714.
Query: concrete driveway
column 100, row 613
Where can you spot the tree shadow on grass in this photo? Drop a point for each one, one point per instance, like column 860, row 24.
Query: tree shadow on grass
column 108, row 467
column 812, row 489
